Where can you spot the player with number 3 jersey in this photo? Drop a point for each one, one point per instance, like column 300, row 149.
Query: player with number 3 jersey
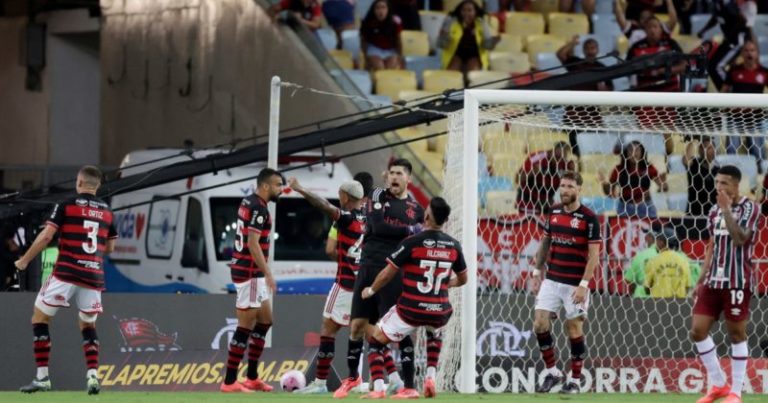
column 87, row 234
column 726, row 287
column 350, row 224
column 253, row 281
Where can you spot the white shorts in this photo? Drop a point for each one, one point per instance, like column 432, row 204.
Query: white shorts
column 553, row 296
column 56, row 294
column 396, row 329
column 338, row 305
column 251, row 293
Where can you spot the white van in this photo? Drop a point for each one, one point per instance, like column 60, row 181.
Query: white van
column 184, row 243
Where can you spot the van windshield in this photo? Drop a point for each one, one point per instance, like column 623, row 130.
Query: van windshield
column 301, row 229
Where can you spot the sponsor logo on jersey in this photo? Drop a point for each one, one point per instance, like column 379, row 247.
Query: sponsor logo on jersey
column 429, row 243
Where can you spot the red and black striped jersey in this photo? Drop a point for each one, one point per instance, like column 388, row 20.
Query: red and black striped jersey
column 350, row 229
column 570, row 234
column 84, row 224
column 426, row 261
column 731, row 266
column 747, row 81
column 253, row 219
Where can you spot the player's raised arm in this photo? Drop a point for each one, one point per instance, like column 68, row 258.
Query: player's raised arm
column 740, row 230
column 316, row 201
column 382, row 279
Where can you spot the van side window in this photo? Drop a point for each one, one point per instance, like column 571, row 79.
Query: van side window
column 194, row 240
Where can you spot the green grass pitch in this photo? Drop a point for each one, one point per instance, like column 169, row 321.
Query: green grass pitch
column 181, row 397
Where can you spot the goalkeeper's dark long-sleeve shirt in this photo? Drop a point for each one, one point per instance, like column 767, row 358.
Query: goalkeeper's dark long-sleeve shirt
column 389, row 219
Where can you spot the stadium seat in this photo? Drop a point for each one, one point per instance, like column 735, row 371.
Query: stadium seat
column 431, row 22
column 412, row 132
column 327, row 37
column 492, row 184
column 506, row 164
column 698, row 21
column 550, row 63
column 415, row 43
column 675, row 163
column 594, row 163
column 499, row 142
column 566, row 25
column 351, row 38
column 524, row 24
column 677, row 182
column 653, row 143
column 545, row 6
column 510, row 62
column 418, row 64
column 761, row 25
column 688, row 43
column 362, row 80
column 591, row 187
column 678, row 144
column 500, row 203
column 442, row 80
column 542, row 43
column 746, row 163
column 600, row 204
column 391, row 82
column 664, row 18
column 596, row 143
column 412, row 95
column 343, row 58
column 658, row 161
column 544, row 140
column 606, row 25
column 509, row 43
column 362, row 7
column 481, row 77
column 622, row 44
column 677, row 201
column 434, row 163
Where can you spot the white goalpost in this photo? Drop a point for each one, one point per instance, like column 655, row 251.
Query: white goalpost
column 489, row 344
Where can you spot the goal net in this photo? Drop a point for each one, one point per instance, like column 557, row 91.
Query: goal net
column 525, row 138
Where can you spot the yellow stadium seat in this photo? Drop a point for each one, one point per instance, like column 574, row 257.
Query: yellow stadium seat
column 622, row 44
column 594, row 163
column 441, row 80
column 343, row 58
column 500, row 203
column 493, row 22
column 688, row 43
column 529, row 123
column 415, row 43
column 505, row 143
column 408, row 133
column 544, row 140
column 506, row 163
column 434, row 163
column 391, row 82
column 542, row 43
column 659, row 162
column 664, row 18
column 678, row 142
column 411, row 95
column 510, row 62
column 566, row 25
column 678, row 183
column 545, row 6
column 524, row 24
column 509, row 43
column 591, row 187
column 481, row 77
column 450, row 5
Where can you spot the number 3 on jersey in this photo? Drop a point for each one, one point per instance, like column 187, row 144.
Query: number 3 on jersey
column 434, row 276
column 239, row 235
column 91, row 246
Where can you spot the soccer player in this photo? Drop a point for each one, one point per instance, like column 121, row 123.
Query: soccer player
column 349, row 221
column 392, row 216
column 570, row 246
column 426, row 262
column 727, row 286
column 668, row 274
column 86, row 234
column 253, row 281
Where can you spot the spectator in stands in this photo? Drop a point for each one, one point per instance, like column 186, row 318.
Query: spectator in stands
column 630, row 182
column 700, row 161
column 736, row 20
column 580, row 115
column 340, row 15
column 307, row 12
column 634, row 28
column 564, row 6
column 655, row 41
column 380, row 38
column 408, row 11
column 539, row 178
column 466, row 38
column 668, row 274
column 748, row 77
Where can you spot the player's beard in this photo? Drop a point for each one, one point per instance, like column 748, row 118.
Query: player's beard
column 274, row 197
column 566, row 199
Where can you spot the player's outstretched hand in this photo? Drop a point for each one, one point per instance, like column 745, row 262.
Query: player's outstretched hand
column 535, row 284
column 580, row 295
column 20, row 264
column 294, row 184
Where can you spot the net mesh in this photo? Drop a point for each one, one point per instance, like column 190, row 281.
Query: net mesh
column 635, row 343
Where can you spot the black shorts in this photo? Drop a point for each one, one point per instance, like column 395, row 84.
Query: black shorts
column 375, row 307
